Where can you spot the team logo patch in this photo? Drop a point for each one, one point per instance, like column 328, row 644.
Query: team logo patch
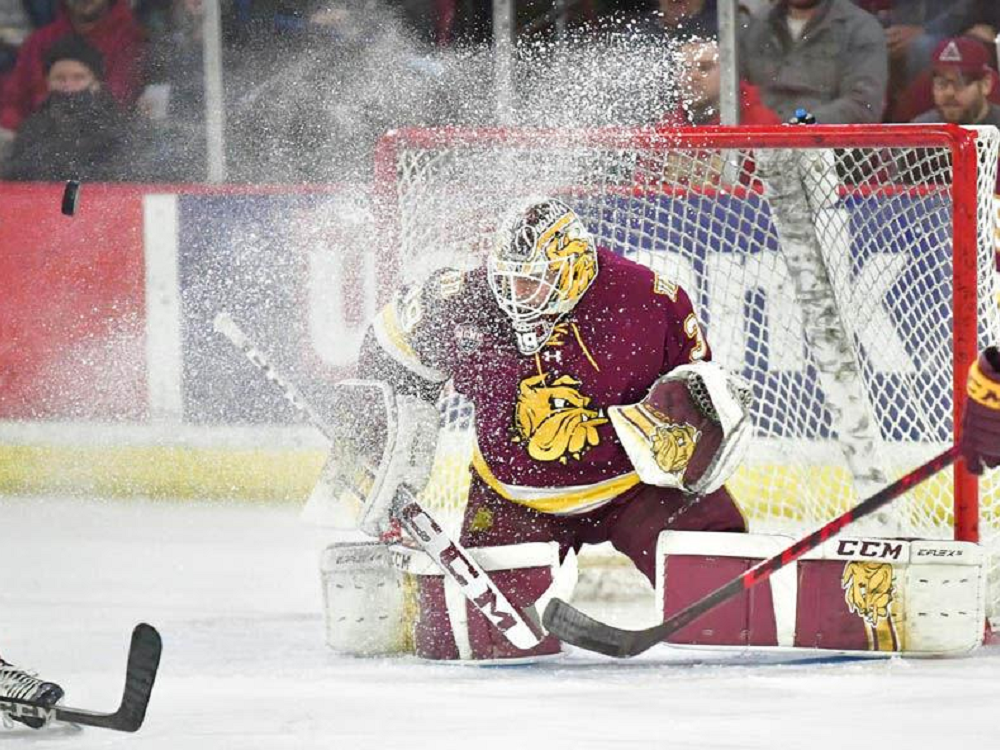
column 468, row 338
column 671, row 443
column 673, row 446
column 554, row 421
column 869, row 590
column 950, row 53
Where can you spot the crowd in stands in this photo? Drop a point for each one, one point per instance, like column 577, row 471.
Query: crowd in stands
column 113, row 89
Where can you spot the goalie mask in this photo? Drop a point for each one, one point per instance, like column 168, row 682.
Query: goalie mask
column 542, row 263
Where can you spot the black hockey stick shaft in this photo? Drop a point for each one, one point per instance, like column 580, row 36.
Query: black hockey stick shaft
column 572, row 626
column 140, row 674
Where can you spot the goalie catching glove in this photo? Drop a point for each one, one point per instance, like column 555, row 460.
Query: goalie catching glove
column 691, row 430
column 980, row 438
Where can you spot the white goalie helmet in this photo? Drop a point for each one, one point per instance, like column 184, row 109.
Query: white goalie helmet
column 542, row 262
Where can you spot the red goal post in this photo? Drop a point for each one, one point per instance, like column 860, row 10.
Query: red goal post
column 771, row 227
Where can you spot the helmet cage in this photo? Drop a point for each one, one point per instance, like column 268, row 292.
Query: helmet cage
column 525, row 291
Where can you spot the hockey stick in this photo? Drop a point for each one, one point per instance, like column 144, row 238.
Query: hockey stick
column 451, row 557
column 576, row 628
column 140, row 674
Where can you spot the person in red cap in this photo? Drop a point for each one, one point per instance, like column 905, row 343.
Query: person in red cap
column 961, row 82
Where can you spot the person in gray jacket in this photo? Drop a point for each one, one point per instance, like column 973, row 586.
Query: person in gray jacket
column 826, row 56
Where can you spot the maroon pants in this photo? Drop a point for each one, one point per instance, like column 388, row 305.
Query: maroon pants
column 631, row 522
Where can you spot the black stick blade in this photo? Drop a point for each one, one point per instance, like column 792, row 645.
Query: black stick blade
column 572, row 626
column 140, row 674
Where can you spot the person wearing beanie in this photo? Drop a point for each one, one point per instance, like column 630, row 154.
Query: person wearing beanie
column 80, row 132
column 108, row 26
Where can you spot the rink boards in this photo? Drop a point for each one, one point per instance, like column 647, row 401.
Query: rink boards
column 114, row 382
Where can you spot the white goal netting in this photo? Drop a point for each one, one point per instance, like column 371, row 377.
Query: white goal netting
column 848, row 272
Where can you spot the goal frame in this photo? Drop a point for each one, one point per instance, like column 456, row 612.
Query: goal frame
column 960, row 143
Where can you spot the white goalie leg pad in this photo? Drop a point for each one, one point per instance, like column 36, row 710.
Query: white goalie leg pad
column 921, row 598
column 365, row 602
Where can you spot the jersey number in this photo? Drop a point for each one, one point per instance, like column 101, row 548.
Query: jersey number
column 693, row 331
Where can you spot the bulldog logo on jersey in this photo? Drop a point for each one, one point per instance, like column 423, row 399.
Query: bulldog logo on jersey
column 869, row 589
column 554, row 421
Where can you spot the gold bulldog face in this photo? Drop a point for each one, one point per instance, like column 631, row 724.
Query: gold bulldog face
column 673, row 446
column 554, row 420
column 868, row 590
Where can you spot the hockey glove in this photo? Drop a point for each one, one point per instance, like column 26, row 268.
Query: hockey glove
column 979, row 441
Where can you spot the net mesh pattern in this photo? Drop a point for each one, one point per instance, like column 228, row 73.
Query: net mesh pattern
column 822, row 275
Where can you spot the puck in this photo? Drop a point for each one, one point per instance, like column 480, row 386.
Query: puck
column 70, row 194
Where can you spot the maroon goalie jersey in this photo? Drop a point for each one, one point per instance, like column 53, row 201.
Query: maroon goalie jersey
column 544, row 438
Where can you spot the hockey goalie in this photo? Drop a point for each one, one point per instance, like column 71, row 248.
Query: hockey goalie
column 599, row 417
column 598, row 412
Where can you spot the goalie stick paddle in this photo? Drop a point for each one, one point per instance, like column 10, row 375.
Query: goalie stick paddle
column 578, row 629
column 140, row 674
column 451, row 557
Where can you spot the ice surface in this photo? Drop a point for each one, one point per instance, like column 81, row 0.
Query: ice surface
column 234, row 590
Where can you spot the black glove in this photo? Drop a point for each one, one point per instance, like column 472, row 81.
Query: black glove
column 979, row 441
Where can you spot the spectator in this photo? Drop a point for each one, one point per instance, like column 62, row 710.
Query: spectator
column 80, row 131
column 682, row 19
column 961, row 83
column 914, row 27
column 18, row 18
column 918, row 97
column 698, row 86
column 106, row 25
column 174, row 99
column 827, row 56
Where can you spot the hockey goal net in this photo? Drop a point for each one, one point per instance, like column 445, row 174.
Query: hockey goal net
column 848, row 272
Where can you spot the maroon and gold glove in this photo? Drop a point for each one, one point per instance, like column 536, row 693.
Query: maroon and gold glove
column 980, row 437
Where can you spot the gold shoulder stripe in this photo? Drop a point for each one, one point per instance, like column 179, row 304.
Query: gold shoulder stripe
column 450, row 283
column 393, row 341
column 665, row 287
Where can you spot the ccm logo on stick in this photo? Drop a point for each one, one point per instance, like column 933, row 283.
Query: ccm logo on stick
column 27, row 712
column 878, row 548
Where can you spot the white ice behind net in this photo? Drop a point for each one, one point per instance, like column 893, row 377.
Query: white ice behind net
column 852, row 378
